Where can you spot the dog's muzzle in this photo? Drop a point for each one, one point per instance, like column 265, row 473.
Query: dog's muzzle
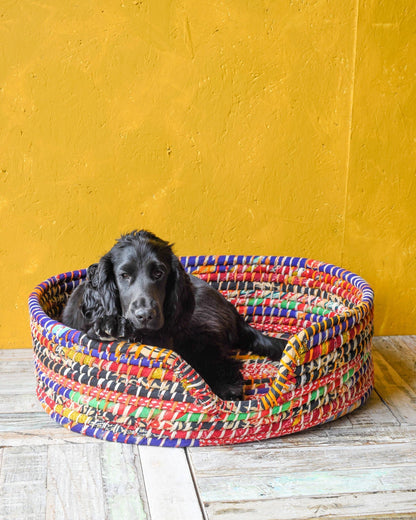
column 145, row 315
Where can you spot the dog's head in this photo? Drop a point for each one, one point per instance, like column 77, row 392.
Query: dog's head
column 142, row 280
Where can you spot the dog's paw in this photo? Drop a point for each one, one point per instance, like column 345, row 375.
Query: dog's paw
column 107, row 328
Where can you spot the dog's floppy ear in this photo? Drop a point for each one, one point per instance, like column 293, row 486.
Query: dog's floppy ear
column 102, row 279
column 179, row 300
column 91, row 307
column 92, row 277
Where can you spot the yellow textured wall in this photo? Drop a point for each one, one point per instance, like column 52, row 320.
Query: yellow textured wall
column 224, row 126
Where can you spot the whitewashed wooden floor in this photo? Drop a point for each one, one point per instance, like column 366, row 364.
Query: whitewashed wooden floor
column 361, row 466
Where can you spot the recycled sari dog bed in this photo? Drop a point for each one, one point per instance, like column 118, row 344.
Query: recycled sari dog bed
column 142, row 394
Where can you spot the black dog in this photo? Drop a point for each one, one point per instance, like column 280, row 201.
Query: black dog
column 140, row 291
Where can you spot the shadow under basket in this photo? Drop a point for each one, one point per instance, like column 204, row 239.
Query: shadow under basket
column 140, row 394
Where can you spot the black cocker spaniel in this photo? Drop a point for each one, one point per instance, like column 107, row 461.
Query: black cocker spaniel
column 140, row 291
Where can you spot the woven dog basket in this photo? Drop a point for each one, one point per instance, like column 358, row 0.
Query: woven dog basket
column 140, row 394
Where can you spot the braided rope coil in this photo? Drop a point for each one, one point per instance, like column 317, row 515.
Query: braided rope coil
column 141, row 394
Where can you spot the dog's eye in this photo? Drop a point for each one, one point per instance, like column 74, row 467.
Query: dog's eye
column 157, row 274
column 125, row 276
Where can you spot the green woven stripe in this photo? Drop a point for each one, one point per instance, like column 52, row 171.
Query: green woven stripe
column 293, row 305
column 142, row 412
column 193, row 417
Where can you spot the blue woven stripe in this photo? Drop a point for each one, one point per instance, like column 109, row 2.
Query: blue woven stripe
column 108, row 435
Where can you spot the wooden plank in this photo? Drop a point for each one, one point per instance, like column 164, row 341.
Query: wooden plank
column 13, row 385
column 23, row 475
column 54, row 434
column 395, row 392
column 400, row 353
column 16, row 354
column 17, row 394
column 231, row 462
column 125, row 492
column 14, row 368
column 20, row 422
column 381, row 506
column 14, row 364
column 327, row 435
column 169, row 484
column 75, row 487
column 24, row 403
column 374, row 411
column 408, row 341
column 308, row 484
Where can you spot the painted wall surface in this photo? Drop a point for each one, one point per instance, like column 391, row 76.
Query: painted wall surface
column 223, row 126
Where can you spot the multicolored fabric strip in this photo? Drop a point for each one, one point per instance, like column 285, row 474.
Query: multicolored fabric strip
column 142, row 394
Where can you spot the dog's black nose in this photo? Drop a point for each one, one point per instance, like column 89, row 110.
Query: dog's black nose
column 145, row 316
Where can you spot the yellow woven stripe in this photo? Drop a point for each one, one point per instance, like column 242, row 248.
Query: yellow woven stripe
column 79, row 357
column 285, row 365
column 138, row 350
column 290, row 357
column 72, row 414
column 118, row 348
column 272, row 398
column 158, row 373
column 265, row 402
